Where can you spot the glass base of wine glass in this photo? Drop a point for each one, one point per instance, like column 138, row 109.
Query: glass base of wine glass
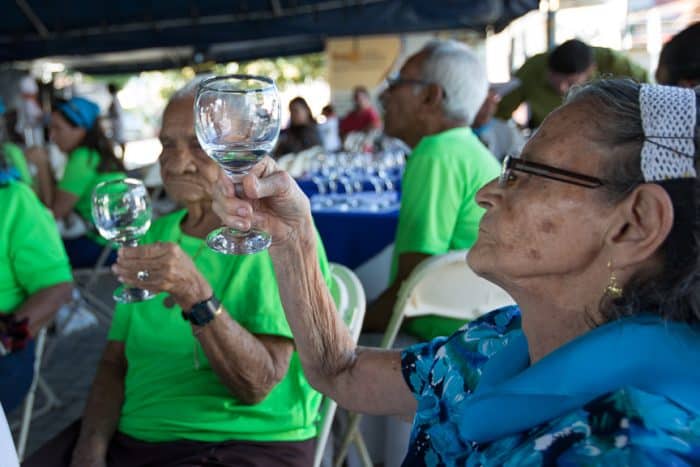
column 236, row 242
column 132, row 295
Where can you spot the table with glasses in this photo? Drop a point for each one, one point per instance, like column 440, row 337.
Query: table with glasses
column 355, row 201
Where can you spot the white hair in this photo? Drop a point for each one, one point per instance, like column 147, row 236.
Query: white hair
column 456, row 68
column 189, row 90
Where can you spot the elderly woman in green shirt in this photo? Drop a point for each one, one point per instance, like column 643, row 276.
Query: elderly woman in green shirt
column 224, row 384
column 75, row 130
column 35, row 279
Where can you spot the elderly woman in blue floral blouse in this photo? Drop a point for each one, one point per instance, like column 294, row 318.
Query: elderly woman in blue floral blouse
column 594, row 232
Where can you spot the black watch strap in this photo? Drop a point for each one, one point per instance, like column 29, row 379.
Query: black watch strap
column 203, row 312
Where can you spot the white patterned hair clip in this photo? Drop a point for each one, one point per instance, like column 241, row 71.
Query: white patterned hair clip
column 668, row 119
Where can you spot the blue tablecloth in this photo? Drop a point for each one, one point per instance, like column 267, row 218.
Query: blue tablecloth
column 351, row 238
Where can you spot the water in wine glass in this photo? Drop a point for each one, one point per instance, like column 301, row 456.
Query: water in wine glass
column 238, row 160
column 121, row 211
column 237, row 122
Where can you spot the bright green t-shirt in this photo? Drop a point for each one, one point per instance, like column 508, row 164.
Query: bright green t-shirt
column 438, row 210
column 542, row 99
column 81, row 176
column 167, row 397
column 32, row 256
column 17, row 160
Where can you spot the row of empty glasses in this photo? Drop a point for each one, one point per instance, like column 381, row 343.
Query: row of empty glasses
column 357, row 180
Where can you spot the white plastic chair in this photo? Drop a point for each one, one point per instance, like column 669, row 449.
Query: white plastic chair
column 8, row 454
column 442, row 285
column 28, row 409
column 349, row 297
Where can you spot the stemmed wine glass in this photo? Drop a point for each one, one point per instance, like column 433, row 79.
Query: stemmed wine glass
column 237, row 122
column 121, row 211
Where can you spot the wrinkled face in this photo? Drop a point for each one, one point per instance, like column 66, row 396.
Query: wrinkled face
column 298, row 114
column 188, row 173
column 536, row 229
column 64, row 135
column 400, row 102
column 561, row 82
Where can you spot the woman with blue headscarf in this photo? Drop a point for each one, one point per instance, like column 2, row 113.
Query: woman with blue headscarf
column 75, row 130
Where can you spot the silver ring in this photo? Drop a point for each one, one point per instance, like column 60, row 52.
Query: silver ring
column 143, row 275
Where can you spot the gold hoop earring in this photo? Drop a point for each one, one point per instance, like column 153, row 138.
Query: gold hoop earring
column 613, row 289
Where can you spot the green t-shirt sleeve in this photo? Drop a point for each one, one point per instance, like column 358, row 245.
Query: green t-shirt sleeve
column 529, row 74
column 37, row 253
column 430, row 203
column 614, row 64
column 19, row 162
column 80, row 172
column 119, row 328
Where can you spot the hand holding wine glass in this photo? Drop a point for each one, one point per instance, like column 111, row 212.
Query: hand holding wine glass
column 121, row 211
column 237, row 122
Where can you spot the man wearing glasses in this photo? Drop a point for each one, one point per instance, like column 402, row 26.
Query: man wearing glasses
column 430, row 105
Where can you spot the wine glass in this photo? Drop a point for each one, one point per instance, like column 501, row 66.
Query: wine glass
column 121, row 211
column 237, row 122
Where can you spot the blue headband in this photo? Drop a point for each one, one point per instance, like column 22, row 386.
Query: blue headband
column 80, row 111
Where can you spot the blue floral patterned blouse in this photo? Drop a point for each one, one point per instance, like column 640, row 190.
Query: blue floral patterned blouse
column 627, row 393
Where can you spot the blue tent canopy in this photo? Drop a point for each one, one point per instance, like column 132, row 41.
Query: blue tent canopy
column 32, row 29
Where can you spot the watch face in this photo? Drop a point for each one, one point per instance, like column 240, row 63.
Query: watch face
column 202, row 312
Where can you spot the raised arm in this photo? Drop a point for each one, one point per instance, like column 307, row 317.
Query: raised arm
column 360, row 379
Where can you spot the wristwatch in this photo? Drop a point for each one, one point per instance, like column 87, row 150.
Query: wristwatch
column 203, row 312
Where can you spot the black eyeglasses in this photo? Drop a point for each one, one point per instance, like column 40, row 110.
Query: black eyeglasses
column 393, row 81
column 511, row 163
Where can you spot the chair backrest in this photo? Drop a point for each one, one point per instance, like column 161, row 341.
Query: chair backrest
column 444, row 285
column 349, row 297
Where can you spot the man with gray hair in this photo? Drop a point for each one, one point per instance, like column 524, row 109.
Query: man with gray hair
column 430, row 105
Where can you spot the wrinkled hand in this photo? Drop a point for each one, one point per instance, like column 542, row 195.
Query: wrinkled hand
column 169, row 270
column 268, row 199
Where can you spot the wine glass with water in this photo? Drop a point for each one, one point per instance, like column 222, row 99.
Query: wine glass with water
column 237, row 122
column 121, row 211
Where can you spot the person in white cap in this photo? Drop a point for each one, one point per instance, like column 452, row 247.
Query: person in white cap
column 29, row 113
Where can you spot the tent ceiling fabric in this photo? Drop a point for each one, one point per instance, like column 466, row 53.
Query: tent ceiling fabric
column 32, row 29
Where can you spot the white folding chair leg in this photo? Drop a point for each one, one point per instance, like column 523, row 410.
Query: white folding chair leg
column 353, row 435
column 29, row 401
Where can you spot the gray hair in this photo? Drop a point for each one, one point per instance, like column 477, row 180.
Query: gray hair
column 674, row 291
column 189, row 90
column 456, row 68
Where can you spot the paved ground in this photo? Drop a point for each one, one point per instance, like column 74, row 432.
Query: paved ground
column 69, row 370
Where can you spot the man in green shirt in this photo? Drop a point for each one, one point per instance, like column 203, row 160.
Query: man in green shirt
column 430, row 105
column 547, row 77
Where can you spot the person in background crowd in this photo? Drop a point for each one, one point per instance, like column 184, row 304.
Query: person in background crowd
column 30, row 117
column 430, row 106
column 35, row 280
column 679, row 62
column 221, row 387
column 594, row 231
column 302, row 132
column 501, row 137
column 330, row 136
column 363, row 117
column 13, row 155
column 547, row 77
column 116, row 118
column 91, row 160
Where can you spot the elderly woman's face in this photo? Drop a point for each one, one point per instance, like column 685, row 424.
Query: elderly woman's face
column 188, row 173
column 535, row 228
